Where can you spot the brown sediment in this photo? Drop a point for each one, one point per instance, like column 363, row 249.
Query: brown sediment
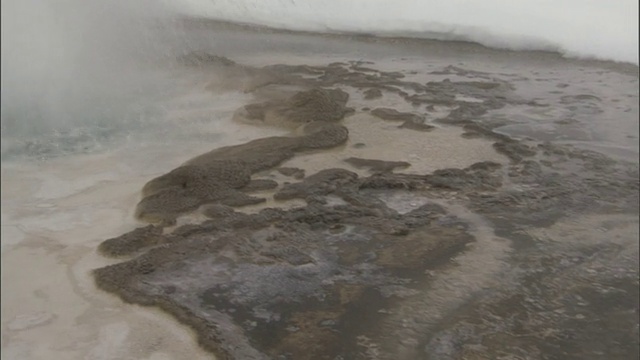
column 326, row 279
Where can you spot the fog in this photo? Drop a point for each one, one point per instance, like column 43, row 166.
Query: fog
column 69, row 64
column 72, row 65
column 576, row 28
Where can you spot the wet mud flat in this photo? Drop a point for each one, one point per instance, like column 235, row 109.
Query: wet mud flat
column 374, row 260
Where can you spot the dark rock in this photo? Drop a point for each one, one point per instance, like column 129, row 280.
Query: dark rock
column 322, row 183
column 393, row 181
column 395, row 115
column 479, row 176
column 514, row 150
column 292, row 172
column 416, row 126
column 131, row 242
column 371, row 94
column 260, row 185
column 346, row 281
column 323, row 105
column 377, row 165
column 223, row 174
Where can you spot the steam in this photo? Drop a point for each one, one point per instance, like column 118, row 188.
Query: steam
column 69, row 65
column 76, row 63
column 578, row 28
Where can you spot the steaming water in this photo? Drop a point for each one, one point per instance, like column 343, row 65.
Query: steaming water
column 70, row 68
column 93, row 106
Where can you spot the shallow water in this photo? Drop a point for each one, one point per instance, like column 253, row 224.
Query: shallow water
column 59, row 202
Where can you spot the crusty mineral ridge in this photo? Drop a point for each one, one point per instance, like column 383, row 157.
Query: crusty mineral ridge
column 315, row 105
column 354, row 274
column 221, row 175
column 304, row 283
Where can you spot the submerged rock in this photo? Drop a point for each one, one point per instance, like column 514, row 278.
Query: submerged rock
column 315, row 105
column 322, row 183
column 258, row 286
column 363, row 269
column 395, row 115
column 223, row 175
column 377, row 165
column 371, row 94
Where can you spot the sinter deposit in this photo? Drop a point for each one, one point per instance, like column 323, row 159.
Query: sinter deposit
column 351, row 274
